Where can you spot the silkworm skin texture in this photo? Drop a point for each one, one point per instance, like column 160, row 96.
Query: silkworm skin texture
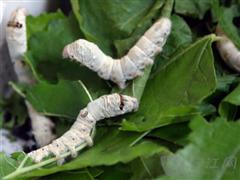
column 129, row 66
column 16, row 36
column 228, row 51
column 41, row 126
column 104, row 107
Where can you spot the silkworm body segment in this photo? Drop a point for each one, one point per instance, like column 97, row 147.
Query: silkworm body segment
column 41, row 126
column 104, row 107
column 129, row 66
column 228, row 51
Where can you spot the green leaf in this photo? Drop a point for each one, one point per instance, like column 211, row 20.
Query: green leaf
column 16, row 111
column 12, row 164
column 179, row 39
column 226, row 23
column 224, row 81
column 123, row 45
column 176, row 88
column 116, row 172
column 215, row 10
column 111, row 147
column 64, row 99
column 20, row 157
column 45, row 49
column 174, row 133
column 7, row 165
column 228, row 108
column 193, row 8
column 84, row 174
column 147, row 167
column 105, row 22
column 45, row 52
column 40, row 23
column 180, row 36
column 213, row 153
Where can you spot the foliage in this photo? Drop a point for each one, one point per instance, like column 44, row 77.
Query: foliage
column 193, row 8
column 187, row 122
column 176, row 96
column 217, row 161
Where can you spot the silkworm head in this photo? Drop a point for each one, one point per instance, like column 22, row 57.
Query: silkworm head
column 85, row 52
column 77, row 50
column 128, row 104
column 68, row 52
column 17, row 21
column 18, row 15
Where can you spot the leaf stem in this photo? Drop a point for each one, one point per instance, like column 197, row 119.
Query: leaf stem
column 167, row 9
column 86, row 90
column 22, row 163
column 17, row 89
column 140, row 137
column 21, row 170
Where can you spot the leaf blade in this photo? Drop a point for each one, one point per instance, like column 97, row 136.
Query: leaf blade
column 177, row 95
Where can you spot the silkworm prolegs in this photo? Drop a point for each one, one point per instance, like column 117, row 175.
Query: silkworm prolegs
column 104, row 107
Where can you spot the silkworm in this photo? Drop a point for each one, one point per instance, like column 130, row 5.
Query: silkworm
column 14, row 24
column 129, row 66
column 41, row 126
column 104, row 107
column 16, row 37
column 228, row 51
column 9, row 146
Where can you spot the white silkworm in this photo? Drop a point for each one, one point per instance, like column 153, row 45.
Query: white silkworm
column 9, row 146
column 129, row 66
column 16, row 36
column 104, row 107
column 41, row 126
column 228, row 51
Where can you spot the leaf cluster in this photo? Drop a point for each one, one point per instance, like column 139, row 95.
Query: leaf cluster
column 187, row 123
